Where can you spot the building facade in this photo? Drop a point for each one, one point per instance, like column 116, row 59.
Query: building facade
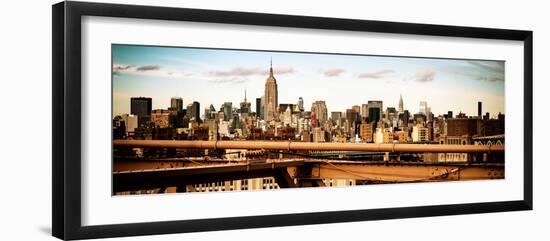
column 320, row 109
column 142, row 107
column 176, row 104
column 420, row 133
column 160, row 118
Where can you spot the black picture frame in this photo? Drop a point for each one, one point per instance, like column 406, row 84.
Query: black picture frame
column 66, row 127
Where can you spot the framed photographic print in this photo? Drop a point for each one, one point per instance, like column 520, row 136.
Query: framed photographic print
column 170, row 120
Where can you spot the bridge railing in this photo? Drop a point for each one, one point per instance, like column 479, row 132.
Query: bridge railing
column 295, row 146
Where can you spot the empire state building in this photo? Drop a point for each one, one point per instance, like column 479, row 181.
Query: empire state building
column 271, row 96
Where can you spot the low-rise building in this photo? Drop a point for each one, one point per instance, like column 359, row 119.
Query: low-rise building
column 318, row 135
column 420, row 133
column 366, row 132
column 402, row 136
column 384, row 135
column 160, row 118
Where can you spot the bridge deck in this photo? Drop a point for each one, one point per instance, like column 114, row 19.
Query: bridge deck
column 144, row 174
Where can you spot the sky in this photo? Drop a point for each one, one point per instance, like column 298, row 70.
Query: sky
column 215, row 76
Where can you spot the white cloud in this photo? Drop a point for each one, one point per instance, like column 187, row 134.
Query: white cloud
column 150, row 70
column 241, row 71
column 426, row 75
column 332, row 72
column 376, row 74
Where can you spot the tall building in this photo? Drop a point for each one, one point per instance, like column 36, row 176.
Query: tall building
column 391, row 115
column 400, row 107
column 353, row 119
column 259, row 108
column 320, row 109
column 479, row 109
column 336, row 117
column 245, row 105
column 210, row 112
column 189, row 110
column 142, row 107
column 374, row 111
column 176, row 104
column 404, row 118
column 194, row 110
column 374, row 115
column 352, row 115
column 271, row 96
column 449, row 114
column 423, row 108
column 301, row 104
column 227, row 110
column 357, row 110
column 364, row 111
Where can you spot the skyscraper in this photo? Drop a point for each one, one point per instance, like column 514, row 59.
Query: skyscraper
column 400, row 104
column 357, row 109
column 320, row 109
column 479, row 109
column 141, row 106
column 301, row 104
column 194, row 110
column 374, row 110
column 351, row 115
column 423, row 108
column 227, row 110
column 391, row 114
column 209, row 112
column 176, row 104
column 271, row 96
column 245, row 105
column 189, row 111
column 336, row 117
column 375, row 114
column 259, row 108
column 364, row 111
column 404, row 118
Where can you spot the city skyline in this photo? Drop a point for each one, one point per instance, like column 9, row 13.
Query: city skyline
column 223, row 111
column 165, row 72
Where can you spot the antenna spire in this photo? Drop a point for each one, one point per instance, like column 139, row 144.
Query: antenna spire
column 271, row 67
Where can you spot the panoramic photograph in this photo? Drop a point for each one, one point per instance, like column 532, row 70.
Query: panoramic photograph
column 189, row 119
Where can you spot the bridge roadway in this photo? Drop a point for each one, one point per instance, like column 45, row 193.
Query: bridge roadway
column 142, row 174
